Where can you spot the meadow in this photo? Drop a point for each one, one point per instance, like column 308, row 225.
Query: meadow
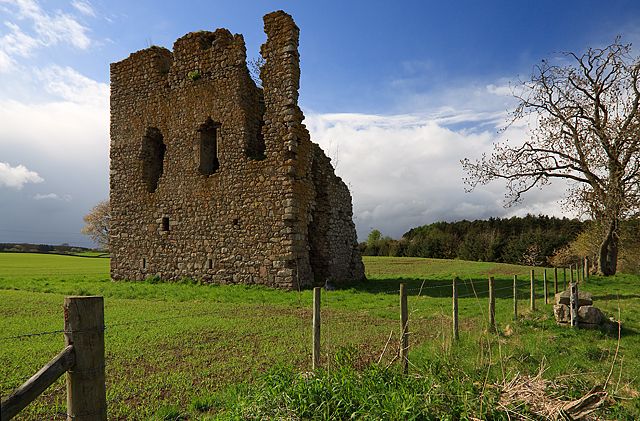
column 190, row 351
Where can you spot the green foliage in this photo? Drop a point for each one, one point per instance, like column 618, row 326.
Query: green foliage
column 374, row 237
column 587, row 243
column 204, row 350
column 153, row 279
column 194, row 75
column 46, row 248
column 511, row 240
column 185, row 280
column 169, row 413
column 376, row 391
column 377, row 245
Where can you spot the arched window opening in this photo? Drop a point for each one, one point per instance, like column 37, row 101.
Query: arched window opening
column 152, row 157
column 209, row 162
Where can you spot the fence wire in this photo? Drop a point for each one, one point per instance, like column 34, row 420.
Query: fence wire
column 468, row 284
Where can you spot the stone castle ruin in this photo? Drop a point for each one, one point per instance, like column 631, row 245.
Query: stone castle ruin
column 216, row 179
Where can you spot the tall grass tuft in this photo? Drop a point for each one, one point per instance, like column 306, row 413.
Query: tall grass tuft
column 347, row 393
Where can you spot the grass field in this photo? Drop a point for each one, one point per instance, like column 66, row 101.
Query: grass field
column 188, row 351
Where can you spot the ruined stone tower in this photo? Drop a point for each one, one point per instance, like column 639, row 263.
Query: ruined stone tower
column 215, row 179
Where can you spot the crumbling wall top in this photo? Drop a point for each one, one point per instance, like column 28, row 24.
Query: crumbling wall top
column 197, row 56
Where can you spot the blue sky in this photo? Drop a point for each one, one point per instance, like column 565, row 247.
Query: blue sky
column 395, row 92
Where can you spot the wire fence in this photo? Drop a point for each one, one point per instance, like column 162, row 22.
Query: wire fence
column 343, row 325
column 469, row 283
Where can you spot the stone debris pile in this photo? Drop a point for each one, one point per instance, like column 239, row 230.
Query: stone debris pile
column 589, row 316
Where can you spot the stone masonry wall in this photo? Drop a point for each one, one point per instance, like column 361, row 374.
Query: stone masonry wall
column 215, row 179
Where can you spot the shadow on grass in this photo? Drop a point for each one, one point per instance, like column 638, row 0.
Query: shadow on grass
column 441, row 289
column 614, row 297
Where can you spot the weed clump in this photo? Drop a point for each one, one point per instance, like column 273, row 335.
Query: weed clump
column 347, row 393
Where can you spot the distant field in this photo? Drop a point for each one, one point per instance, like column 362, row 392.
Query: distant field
column 173, row 345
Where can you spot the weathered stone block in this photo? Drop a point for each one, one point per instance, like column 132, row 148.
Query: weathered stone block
column 584, row 298
column 562, row 313
column 590, row 315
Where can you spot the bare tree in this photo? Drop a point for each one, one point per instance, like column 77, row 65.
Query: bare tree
column 255, row 68
column 586, row 129
column 97, row 224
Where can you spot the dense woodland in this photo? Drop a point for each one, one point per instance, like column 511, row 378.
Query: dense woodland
column 531, row 240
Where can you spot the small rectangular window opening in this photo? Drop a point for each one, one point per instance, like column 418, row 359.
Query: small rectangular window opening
column 209, row 263
column 144, row 263
column 165, row 223
column 209, row 162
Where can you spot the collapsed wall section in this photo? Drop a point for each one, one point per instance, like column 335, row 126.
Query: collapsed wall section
column 319, row 203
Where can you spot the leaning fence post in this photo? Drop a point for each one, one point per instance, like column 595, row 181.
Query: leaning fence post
column 555, row 280
column 585, row 275
column 515, row 297
column 84, row 329
column 492, row 304
column 454, row 288
column 532, row 299
column 546, row 288
column 404, row 321
column 573, row 304
column 315, row 357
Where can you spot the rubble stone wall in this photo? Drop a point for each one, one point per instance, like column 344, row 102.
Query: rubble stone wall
column 215, row 179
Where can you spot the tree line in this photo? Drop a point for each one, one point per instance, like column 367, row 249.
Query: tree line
column 531, row 240
column 583, row 114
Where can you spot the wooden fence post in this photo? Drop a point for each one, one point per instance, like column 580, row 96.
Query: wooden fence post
column 515, row 297
column 573, row 304
column 571, row 273
column 546, row 288
column 564, row 279
column 454, row 286
column 404, row 321
column 555, row 280
column 84, row 329
column 533, row 292
column 492, row 304
column 315, row 357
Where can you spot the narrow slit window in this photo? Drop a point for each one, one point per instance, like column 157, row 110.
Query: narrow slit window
column 209, row 162
column 256, row 148
column 144, row 263
column 152, row 156
column 209, row 263
column 165, row 223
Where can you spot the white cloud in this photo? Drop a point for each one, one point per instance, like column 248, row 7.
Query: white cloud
column 16, row 177
column 12, row 44
column 404, row 170
column 47, row 29
column 70, row 85
column 17, row 42
column 84, row 7
column 501, row 90
column 52, row 196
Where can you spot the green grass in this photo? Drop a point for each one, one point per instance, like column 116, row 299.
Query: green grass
column 188, row 351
